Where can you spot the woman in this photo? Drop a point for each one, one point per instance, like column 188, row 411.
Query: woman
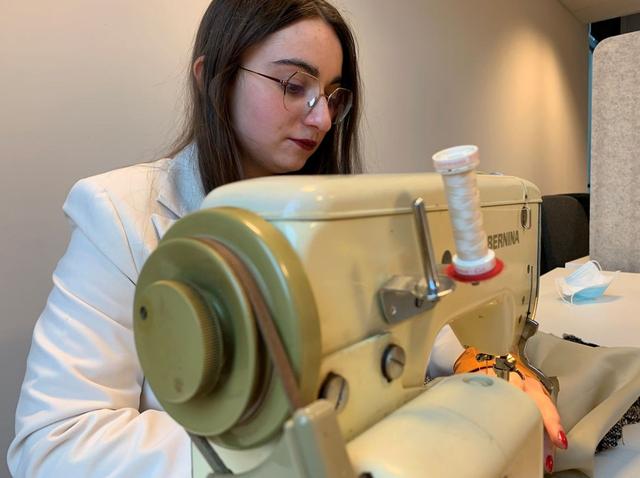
column 275, row 90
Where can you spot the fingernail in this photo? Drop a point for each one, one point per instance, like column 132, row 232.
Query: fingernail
column 549, row 464
column 563, row 439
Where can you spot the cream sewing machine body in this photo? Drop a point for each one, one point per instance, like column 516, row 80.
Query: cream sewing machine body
column 360, row 330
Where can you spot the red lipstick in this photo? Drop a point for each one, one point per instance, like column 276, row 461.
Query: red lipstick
column 306, row 144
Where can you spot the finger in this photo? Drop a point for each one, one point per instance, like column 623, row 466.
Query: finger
column 550, row 416
column 548, row 454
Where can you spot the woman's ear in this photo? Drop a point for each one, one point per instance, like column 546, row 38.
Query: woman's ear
column 197, row 69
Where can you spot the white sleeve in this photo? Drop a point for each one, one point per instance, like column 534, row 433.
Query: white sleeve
column 446, row 349
column 78, row 413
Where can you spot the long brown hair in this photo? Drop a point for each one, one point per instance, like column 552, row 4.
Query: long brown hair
column 227, row 30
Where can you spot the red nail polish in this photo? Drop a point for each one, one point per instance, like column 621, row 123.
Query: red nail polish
column 563, row 439
column 549, row 464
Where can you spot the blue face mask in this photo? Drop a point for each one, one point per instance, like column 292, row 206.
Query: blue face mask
column 591, row 292
column 587, row 282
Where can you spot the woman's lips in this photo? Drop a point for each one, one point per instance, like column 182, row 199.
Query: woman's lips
column 306, row 144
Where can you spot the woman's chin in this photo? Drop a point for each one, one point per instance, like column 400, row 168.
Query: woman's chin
column 291, row 164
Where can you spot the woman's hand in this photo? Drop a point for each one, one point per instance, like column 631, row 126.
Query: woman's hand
column 555, row 436
column 527, row 381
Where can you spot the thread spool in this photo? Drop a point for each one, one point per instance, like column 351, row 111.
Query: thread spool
column 473, row 260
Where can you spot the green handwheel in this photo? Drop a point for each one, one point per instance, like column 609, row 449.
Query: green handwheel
column 195, row 333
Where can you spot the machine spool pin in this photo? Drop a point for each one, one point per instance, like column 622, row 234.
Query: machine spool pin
column 474, row 262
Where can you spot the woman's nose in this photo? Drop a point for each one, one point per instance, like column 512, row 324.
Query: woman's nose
column 319, row 116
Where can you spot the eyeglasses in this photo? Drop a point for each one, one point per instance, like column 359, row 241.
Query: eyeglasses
column 301, row 92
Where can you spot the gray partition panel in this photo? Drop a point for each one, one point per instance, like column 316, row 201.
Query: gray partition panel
column 615, row 154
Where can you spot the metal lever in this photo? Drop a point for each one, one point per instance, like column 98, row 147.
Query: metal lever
column 426, row 250
column 550, row 383
column 403, row 297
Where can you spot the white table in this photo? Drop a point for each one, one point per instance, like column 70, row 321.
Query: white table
column 613, row 319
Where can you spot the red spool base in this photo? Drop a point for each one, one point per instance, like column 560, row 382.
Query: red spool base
column 451, row 272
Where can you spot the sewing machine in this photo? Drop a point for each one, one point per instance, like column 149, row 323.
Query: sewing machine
column 287, row 326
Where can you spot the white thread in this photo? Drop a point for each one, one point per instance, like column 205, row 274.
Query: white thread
column 457, row 167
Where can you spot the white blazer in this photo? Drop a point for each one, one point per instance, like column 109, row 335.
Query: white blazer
column 85, row 409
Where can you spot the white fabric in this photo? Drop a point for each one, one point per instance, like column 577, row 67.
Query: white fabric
column 444, row 353
column 624, row 460
column 84, row 408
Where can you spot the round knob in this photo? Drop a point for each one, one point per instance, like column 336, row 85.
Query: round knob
column 335, row 389
column 179, row 341
column 393, row 361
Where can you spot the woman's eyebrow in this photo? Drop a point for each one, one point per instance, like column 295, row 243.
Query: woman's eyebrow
column 303, row 65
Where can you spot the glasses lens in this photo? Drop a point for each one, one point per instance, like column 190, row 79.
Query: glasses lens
column 339, row 104
column 301, row 92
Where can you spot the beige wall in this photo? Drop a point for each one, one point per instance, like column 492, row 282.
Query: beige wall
column 85, row 86
column 507, row 75
column 88, row 85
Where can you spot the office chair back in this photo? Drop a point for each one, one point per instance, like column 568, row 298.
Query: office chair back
column 564, row 232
